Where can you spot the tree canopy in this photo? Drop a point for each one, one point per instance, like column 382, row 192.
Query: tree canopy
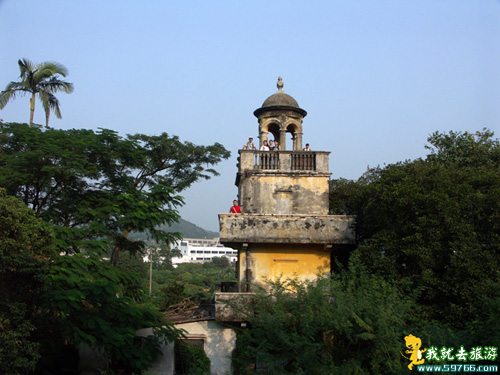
column 98, row 187
column 84, row 193
column 431, row 227
column 25, row 252
column 349, row 324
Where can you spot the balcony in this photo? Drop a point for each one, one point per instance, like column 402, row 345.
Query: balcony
column 283, row 229
column 283, row 161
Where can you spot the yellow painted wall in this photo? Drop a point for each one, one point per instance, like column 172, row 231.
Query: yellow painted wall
column 285, row 261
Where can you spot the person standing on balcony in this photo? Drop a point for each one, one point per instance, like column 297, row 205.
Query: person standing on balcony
column 249, row 145
column 271, row 145
column 276, row 146
column 265, row 146
column 307, row 148
column 235, row 208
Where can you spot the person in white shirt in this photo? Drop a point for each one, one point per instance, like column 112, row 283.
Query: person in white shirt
column 307, row 148
column 249, row 145
column 264, row 147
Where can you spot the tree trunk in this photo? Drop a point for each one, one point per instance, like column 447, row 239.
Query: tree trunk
column 115, row 254
column 32, row 109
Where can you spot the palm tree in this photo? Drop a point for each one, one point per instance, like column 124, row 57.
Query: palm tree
column 42, row 79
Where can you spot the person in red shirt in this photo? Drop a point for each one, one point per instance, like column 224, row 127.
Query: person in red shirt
column 235, row 208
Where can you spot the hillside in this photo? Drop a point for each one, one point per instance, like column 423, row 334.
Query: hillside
column 186, row 228
column 190, row 230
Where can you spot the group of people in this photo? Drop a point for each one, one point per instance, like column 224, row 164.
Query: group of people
column 268, row 146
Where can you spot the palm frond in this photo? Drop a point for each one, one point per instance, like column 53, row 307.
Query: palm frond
column 54, row 85
column 15, row 86
column 44, row 98
column 5, row 97
column 48, row 69
column 54, row 105
column 26, row 67
column 10, row 92
column 50, row 104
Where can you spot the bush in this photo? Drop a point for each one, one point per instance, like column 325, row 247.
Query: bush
column 351, row 323
column 190, row 359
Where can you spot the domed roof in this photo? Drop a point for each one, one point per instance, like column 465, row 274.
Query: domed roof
column 279, row 100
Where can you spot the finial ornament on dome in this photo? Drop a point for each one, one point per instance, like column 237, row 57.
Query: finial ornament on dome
column 280, row 85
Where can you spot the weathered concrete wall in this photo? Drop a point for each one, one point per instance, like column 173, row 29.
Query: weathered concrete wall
column 164, row 364
column 286, row 229
column 233, row 307
column 268, row 262
column 219, row 343
column 284, row 194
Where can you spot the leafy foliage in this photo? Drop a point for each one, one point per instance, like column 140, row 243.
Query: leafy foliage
column 25, row 252
column 194, row 281
column 431, row 226
column 350, row 324
column 92, row 302
column 97, row 187
column 190, row 359
column 92, row 189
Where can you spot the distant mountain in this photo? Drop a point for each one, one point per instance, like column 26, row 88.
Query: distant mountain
column 190, row 230
column 184, row 227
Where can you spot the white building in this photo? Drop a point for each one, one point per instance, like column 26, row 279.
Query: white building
column 200, row 250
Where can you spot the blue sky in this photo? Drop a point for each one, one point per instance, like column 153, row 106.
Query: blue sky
column 376, row 76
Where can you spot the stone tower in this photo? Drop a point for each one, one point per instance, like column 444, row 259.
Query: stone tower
column 285, row 229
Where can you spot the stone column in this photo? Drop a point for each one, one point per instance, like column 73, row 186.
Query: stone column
column 298, row 141
column 282, row 139
column 262, row 137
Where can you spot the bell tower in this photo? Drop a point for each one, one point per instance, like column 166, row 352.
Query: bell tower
column 280, row 114
column 285, row 229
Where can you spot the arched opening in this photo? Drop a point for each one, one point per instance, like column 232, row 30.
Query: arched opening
column 292, row 129
column 274, row 129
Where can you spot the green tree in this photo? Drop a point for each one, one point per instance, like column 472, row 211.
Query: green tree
column 42, row 80
column 96, row 188
column 352, row 323
column 26, row 248
column 90, row 301
column 190, row 359
column 50, row 304
column 196, row 282
column 431, row 226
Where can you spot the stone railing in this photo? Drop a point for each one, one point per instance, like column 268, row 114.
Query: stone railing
column 266, row 160
column 283, row 161
column 303, row 161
